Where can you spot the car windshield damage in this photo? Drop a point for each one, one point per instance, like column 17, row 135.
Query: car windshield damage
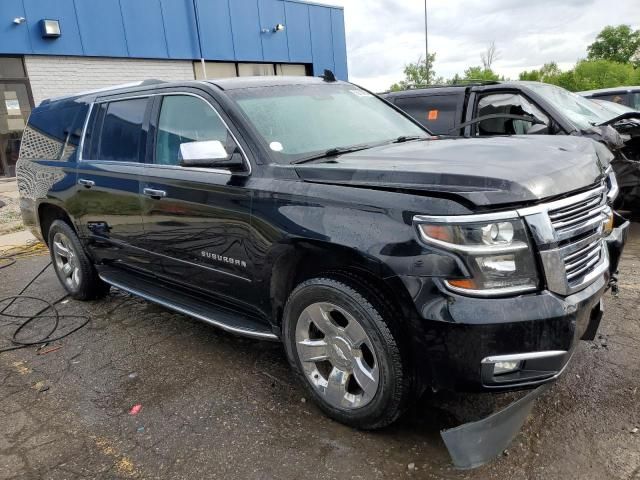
column 581, row 111
column 308, row 122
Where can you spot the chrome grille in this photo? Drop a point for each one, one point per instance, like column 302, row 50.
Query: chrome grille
column 580, row 216
column 578, row 264
column 569, row 233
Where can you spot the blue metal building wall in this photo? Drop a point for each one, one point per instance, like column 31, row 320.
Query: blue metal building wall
column 231, row 30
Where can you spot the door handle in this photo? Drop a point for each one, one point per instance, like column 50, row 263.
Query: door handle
column 157, row 194
column 86, row 183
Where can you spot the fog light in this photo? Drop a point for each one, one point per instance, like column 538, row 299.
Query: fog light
column 500, row 368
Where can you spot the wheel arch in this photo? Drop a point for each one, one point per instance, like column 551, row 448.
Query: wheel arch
column 303, row 260
column 49, row 212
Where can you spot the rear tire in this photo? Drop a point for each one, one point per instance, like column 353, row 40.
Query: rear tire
column 342, row 343
column 72, row 265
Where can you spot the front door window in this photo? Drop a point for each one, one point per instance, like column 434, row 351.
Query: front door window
column 506, row 104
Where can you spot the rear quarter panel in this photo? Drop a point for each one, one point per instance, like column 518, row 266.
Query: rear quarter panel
column 46, row 169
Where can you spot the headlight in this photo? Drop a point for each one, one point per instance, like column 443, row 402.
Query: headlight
column 496, row 252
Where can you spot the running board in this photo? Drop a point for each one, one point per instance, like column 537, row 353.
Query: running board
column 173, row 299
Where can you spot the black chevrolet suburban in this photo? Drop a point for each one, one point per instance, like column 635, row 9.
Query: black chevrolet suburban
column 311, row 212
column 530, row 108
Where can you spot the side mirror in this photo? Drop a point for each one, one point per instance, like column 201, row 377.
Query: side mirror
column 209, row 154
column 539, row 129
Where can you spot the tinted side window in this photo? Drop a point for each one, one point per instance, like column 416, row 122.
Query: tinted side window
column 115, row 131
column 436, row 112
column 621, row 98
column 53, row 133
column 185, row 119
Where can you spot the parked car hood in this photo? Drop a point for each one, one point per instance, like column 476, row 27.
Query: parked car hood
column 486, row 172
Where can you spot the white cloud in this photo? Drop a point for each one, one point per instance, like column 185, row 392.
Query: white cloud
column 384, row 35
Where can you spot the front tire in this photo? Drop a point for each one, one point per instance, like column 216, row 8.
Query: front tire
column 342, row 343
column 72, row 265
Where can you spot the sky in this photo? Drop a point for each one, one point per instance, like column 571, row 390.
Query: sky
column 384, row 35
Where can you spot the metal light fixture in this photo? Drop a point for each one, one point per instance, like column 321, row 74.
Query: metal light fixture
column 278, row 28
column 50, row 28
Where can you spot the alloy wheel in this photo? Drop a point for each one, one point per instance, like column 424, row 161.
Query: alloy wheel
column 66, row 260
column 337, row 356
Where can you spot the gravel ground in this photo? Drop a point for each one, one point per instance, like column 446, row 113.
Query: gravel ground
column 10, row 217
column 217, row 406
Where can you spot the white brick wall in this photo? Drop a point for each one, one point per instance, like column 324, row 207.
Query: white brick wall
column 58, row 76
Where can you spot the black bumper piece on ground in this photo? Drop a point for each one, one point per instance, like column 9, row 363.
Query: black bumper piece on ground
column 476, row 443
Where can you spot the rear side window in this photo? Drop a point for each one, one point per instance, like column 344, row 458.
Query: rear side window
column 54, row 132
column 115, row 132
column 436, row 112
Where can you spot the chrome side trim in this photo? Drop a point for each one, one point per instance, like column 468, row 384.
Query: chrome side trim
column 84, row 132
column 518, row 357
column 166, row 94
column 455, row 219
column 184, row 311
column 492, row 292
column 475, row 249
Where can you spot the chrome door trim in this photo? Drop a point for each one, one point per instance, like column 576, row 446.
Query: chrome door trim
column 163, row 94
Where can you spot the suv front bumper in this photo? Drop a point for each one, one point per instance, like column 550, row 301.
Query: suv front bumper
column 461, row 338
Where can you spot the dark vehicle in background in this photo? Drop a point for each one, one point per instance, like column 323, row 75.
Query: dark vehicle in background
column 311, row 212
column 529, row 108
column 629, row 96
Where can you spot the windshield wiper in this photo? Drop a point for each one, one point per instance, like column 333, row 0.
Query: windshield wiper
column 332, row 152
column 409, row 138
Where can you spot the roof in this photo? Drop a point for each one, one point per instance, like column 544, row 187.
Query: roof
column 233, row 83
column 237, row 83
column 611, row 90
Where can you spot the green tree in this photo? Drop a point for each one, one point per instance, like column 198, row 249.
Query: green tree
column 617, row 44
column 480, row 73
column 592, row 74
column 416, row 74
column 586, row 75
column 548, row 73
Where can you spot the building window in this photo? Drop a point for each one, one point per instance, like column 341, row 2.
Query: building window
column 291, row 69
column 215, row 70
column 12, row 67
column 255, row 69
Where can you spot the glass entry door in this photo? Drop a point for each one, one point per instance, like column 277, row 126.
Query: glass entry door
column 15, row 106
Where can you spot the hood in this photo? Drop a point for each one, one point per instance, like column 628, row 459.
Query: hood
column 485, row 172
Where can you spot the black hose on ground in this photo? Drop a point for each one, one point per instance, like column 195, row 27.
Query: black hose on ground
column 28, row 319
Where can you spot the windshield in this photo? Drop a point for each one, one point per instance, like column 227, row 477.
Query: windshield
column 581, row 111
column 299, row 121
column 614, row 107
